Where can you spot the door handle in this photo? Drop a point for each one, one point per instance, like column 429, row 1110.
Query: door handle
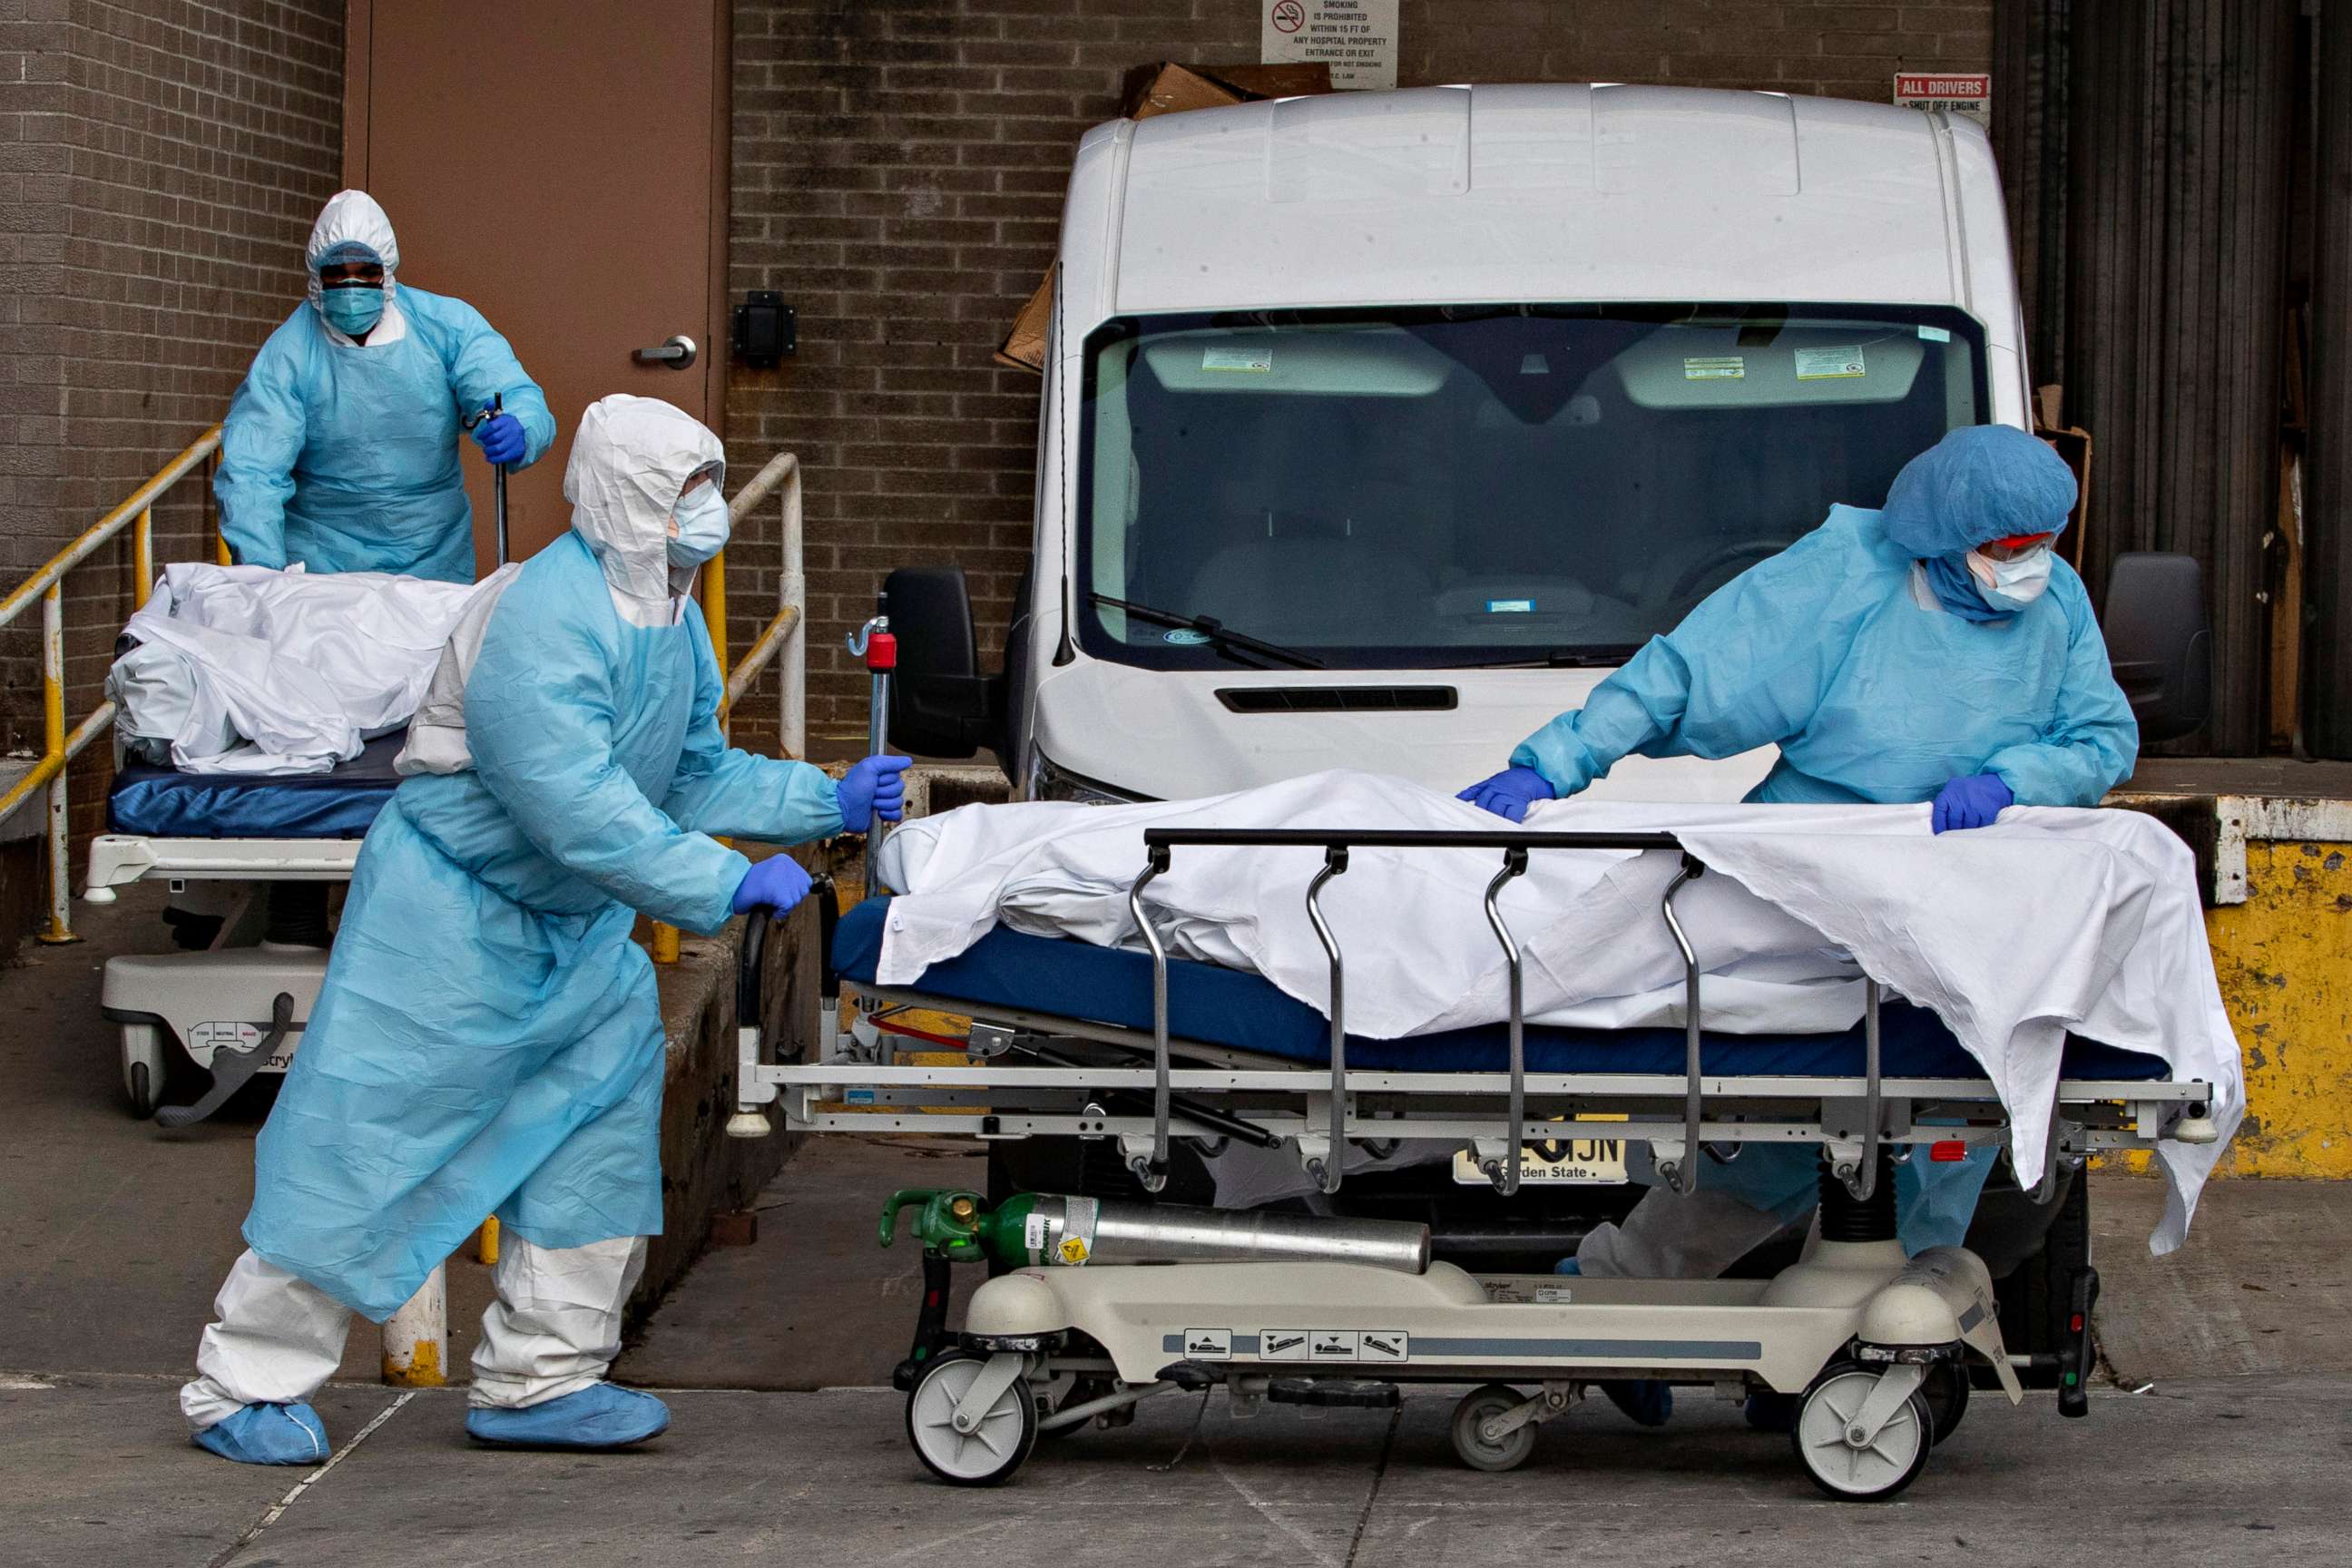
column 677, row 353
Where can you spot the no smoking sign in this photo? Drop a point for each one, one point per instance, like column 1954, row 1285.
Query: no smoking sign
column 1357, row 38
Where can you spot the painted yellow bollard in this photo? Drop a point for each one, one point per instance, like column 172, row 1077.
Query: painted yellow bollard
column 416, row 1337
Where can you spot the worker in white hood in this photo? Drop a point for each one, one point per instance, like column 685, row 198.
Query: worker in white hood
column 340, row 451
column 487, row 1039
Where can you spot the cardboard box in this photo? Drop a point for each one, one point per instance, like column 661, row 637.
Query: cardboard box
column 1163, row 89
column 2073, row 445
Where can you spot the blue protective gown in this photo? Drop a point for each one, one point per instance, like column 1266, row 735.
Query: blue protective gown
column 488, row 1038
column 343, row 456
column 1825, row 651
column 1874, row 691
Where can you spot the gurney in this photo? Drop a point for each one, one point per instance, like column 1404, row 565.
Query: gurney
column 259, row 716
column 1143, row 1051
column 235, row 1007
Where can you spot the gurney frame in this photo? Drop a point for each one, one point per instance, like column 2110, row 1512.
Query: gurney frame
column 1035, row 1073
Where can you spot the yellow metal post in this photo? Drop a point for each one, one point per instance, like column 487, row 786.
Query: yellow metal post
column 714, row 620
column 486, row 1248
column 142, row 557
column 416, row 1336
column 664, row 943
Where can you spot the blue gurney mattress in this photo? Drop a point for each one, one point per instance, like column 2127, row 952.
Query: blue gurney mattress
column 164, row 803
column 1245, row 1012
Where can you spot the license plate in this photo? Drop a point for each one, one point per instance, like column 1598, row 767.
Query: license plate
column 1568, row 1161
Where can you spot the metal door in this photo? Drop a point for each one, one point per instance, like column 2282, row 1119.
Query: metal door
column 561, row 166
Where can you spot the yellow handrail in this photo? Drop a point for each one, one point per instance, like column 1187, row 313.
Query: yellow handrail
column 783, row 636
column 60, row 746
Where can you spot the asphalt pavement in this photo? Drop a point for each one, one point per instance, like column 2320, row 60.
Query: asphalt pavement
column 2230, row 1438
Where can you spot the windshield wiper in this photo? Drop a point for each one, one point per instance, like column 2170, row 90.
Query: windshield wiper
column 1562, row 658
column 1214, row 630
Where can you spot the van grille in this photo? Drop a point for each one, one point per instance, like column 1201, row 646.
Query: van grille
column 1338, row 698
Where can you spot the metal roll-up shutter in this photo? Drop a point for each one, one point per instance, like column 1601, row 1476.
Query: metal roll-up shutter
column 2181, row 116
column 2328, row 684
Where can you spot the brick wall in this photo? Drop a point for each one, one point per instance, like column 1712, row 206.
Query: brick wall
column 160, row 166
column 897, row 174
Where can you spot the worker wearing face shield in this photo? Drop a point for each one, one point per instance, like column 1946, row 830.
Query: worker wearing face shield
column 1933, row 651
column 487, row 1039
column 340, row 448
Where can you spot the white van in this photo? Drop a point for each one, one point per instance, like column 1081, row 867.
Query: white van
column 1379, row 428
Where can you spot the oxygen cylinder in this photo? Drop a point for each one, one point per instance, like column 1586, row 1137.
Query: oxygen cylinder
column 1041, row 1230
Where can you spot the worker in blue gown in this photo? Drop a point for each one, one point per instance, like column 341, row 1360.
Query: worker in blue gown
column 339, row 452
column 488, row 1038
column 1934, row 650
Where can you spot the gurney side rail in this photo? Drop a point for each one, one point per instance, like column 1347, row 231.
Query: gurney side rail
column 1677, row 1160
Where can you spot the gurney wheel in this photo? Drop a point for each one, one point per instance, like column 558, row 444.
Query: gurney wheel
column 1479, row 1406
column 987, row 1454
column 143, row 1068
column 1892, row 1459
column 1947, row 1392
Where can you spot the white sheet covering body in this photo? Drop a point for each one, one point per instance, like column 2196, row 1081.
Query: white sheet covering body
column 2050, row 920
column 249, row 670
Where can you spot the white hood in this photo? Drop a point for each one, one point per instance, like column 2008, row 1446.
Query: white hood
column 352, row 218
column 630, row 460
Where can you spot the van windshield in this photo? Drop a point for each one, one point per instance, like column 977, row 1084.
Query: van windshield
column 1479, row 485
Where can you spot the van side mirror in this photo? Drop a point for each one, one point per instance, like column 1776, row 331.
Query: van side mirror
column 2160, row 643
column 940, row 704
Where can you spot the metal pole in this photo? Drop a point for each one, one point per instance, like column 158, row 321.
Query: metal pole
column 792, row 679
column 874, row 644
column 714, row 621
column 499, row 482
column 1682, row 1174
column 142, row 558
column 1335, row 863
column 1153, row 1173
column 53, row 744
column 1505, row 1175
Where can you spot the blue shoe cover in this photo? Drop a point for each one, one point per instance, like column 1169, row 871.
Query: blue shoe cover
column 268, row 1435
column 601, row 1416
column 1646, row 1401
column 1567, row 1265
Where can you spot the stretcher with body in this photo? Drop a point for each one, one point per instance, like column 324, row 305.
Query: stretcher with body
column 1141, row 1052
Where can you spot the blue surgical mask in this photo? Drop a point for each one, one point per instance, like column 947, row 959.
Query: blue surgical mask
column 352, row 311
column 701, row 520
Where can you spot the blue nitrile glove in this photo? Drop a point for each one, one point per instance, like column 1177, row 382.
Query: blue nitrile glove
column 1509, row 793
column 874, row 787
column 502, row 438
column 778, row 883
column 1971, row 802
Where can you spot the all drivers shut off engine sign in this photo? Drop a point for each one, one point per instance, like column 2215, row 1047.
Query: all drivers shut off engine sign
column 1357, row 38
column 1962, row 92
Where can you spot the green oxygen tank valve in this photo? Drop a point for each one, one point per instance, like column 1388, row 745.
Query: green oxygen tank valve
column 958, row 1225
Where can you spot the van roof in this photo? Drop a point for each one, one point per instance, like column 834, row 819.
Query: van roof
column 1553, row 191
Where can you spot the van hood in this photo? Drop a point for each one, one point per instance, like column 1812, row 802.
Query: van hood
column 1175, row 734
